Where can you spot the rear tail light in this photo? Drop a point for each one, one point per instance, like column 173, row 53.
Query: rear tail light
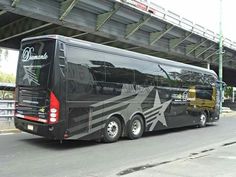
column 54, row 109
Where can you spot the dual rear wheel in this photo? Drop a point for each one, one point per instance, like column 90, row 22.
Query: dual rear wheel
column 135, row 128
column 113, row 128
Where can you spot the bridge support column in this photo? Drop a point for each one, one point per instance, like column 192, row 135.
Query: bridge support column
column 233, row 94
column 208, row 66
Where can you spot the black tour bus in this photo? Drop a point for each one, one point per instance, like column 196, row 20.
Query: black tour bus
column 73, row 89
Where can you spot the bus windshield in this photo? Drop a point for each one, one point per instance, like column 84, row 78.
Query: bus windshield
column 34, row 63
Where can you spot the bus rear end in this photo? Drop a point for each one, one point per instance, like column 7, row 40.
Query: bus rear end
column 37, row 96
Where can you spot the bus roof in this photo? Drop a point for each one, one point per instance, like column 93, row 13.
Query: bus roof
column 121, row 52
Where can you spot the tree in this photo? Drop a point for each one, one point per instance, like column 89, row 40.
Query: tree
column 228, row 92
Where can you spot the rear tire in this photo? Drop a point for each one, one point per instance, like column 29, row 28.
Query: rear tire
column 135, row 127
column 112, row 130
column 203, row 120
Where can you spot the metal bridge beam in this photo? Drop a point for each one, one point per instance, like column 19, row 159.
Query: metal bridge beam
column 103, row 18
column 203, row 50
column 2, row 12
column 155, row 36
column 175, row 42
column 132, row 28
column 133, row 48
column 62, row 31
column 192, row 47
column 79, row 34
column 226, row 59
column 14, row 3
column 108, row 42
column 20, row 27
column 66, row 7
column 210, row 55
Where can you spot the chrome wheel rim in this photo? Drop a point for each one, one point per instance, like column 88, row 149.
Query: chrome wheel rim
column 112, row 129
column 203, row 120
column 136, row 127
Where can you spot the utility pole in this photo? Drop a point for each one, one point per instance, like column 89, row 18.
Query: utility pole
column 221, row 57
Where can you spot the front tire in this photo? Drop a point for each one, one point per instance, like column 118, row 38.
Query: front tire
column 135, row 127
column 203, row 120
column 112, row 130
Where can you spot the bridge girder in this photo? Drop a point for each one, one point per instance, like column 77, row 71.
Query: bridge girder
column 14, row 3
column 210, row 55
column 2, row 12
column 176, row 42
column 62, row 31
column 66, row 7
column 192, row 47
column 132, row 28
column 155, row 36
column 103, row 18
column 111, row 24
column 20, row 27
column 202, row 50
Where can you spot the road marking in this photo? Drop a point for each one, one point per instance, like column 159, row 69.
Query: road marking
column 228, row 157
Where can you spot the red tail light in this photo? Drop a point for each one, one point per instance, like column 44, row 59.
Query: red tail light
column 54, row 109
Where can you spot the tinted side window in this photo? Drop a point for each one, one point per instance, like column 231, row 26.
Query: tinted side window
column 204, row 93
column 169, row 76
column 119, row 69
column 191, row 78
column 84, row 58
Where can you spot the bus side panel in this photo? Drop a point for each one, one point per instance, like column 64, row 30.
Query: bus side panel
column 59, row 85
column 100, row 84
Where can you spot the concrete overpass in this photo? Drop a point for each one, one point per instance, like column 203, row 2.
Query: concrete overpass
column 116, row 23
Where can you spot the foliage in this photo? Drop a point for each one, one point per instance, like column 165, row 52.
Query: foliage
column 6, row 78
column 228, row 91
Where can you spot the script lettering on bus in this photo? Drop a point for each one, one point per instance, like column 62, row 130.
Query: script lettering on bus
column 28, row 54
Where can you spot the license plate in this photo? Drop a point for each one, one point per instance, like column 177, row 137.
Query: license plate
column 30, row 127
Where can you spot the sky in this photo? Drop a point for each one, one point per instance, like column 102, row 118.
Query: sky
column 202, row 12
column 205, row 13
column 9, row 64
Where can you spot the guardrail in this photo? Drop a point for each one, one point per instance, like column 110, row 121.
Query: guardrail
column 186, row 24
column 7, row 108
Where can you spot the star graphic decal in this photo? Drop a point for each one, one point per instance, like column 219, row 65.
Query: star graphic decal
column 30, row 75
column 156, row 113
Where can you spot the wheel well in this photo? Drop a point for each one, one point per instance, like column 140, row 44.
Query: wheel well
column 207, row 113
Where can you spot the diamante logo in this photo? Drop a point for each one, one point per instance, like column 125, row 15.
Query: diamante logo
column 28, row 54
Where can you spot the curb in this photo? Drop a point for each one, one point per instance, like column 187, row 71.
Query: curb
column 10, row 131
column 225, row 114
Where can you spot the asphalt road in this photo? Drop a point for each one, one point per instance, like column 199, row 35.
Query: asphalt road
column 24, row 155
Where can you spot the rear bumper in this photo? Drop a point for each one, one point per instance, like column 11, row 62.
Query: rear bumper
column 55, row 131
